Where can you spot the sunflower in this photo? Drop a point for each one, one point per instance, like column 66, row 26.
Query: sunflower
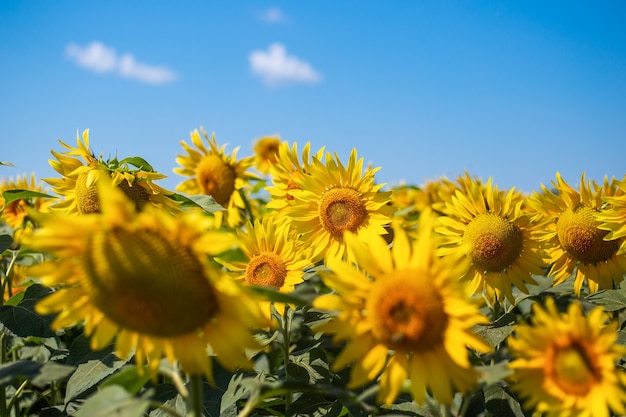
column 575, row 243
column 284, row 172
column 492, row 229
column 404, row 315
column 214, row 173
column 266, row 152
column 334, row 199
column 79, row 177
column 564, row 363
column 146, row 278
column 274, row 258
column 613, row 218
column 14, row 213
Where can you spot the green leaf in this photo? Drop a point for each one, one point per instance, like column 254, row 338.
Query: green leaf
column 500, row 402
column 205, row 202
column 315, row 406
column 113, row 401
column 12, row 370
column 51, row 372
column 132, row 379
column 7, row 164
column 12, row 195
column 5, row 242
column 24, row 322
column 92, row 368
column 168, row 395
column 498, row 331
column 138, row 162
column 610, row 300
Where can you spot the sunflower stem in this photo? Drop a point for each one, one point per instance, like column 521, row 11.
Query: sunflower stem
column 286, row 328
column 194, row 401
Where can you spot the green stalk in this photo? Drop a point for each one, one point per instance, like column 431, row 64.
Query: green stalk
column 194, row 401
column 286, row 328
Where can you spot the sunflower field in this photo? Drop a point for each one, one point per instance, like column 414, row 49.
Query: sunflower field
column 289, row 282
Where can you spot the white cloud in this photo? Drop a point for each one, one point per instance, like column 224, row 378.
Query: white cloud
column 275, row 67
column 101, row 58
column 273, row 15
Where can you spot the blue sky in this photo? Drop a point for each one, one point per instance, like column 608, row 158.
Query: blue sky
column 515, row 91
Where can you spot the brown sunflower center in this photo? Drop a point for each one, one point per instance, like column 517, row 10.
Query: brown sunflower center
column 494, row 243
column 342, row 209
column 266, row 269
column 406, row 314
column 146, row 283
column 572, row 369
column 578, row 233
column 87, row 201
column 216, row 178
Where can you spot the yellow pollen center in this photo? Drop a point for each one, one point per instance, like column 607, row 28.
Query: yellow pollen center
column 146, row 283
column 266, row 269
column 578, row 233
column 216, row 178
column 494, row 243
column 572, row 370
column 87, row 201
column 342, row 209
column 405, row 313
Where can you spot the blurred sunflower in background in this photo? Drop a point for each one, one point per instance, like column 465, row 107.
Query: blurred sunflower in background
column 613, row 216
column 564, row 363
column 275, row 258
column 334, row 199
column 80, row 170
column 404, row 315
column 145, row 279
column 212, row 172
column 288, row 167
column 15, row 212
column 491, row 229
column 575, row 243
column 266, row 152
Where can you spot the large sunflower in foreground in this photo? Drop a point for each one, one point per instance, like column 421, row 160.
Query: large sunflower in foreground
column 274, row 258
column 564, row 363
column 212, row 172
column 15, row 213
column 80, row 171
column 334, row 199
column 146, row 278
column 613, row 218
column 491, row 229
column 404, row 315
column 569, row 226
column 288, row 167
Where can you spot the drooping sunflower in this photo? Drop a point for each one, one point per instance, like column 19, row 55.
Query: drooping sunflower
column 288, row 167
column 15, row 212
column 569, row 227
column 491, row 228
column 334, row 199
column 564, row 363
column 266, row 152
column 80, row 171
column 275, row 258
column 212, row 172
column 613, row 217
column 145, row 280
column 404, row 315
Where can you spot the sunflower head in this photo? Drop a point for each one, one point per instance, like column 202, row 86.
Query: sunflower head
column 571, row 225
column 80, row 170
column 334, row 199
column 145, row 280
column 212, row 172
column 15, row 212
column 492, row 229
column 404, row 315
column 571, row 356
column 266, row 152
